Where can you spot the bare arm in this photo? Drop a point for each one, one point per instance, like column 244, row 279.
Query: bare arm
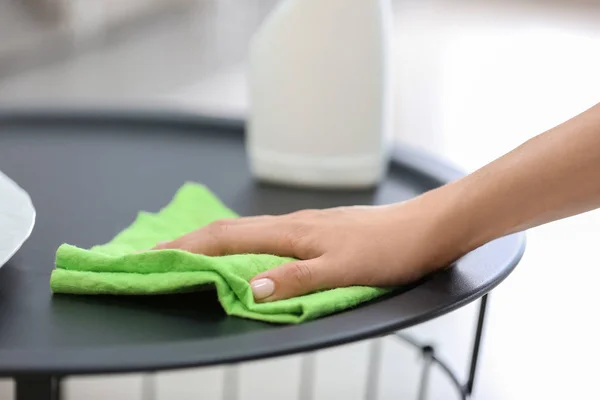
column 554, row 175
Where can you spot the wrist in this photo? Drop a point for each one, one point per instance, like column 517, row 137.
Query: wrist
column 441, row 219
column 470, row 208
column 452, row 222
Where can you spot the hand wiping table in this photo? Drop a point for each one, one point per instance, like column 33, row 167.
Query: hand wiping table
column 123, row 267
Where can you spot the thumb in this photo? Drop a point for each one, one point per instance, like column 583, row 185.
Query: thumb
column 289, row 280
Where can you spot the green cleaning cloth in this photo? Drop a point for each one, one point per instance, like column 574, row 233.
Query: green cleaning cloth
column 118, row 268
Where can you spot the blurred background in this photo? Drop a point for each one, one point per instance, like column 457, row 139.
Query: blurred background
column 473, row 79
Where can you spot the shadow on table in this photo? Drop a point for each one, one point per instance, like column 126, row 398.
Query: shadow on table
column 116, row 320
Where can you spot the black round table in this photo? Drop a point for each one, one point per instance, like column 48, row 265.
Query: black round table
column 89, row 173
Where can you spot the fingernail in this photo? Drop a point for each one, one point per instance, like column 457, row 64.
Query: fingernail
column 262, row 288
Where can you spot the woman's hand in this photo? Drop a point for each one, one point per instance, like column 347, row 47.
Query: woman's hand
column 375, row 246
column 552, row 176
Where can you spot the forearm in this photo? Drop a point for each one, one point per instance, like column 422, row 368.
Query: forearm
column 552, row 176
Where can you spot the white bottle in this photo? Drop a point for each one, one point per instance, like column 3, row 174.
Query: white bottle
column 320, row 94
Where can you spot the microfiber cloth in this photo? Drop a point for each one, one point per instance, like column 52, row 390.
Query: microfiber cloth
column 120, row 267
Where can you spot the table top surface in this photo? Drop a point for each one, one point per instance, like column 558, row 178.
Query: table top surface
column 89, row 173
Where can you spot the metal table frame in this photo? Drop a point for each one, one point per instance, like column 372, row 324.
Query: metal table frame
column 465, row 390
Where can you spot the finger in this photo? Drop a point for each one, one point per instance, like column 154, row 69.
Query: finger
column 226, row 237
column 292, row 279
column 177, row 243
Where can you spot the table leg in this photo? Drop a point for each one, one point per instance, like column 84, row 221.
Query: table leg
column 428, row 358
column 476, row 345
column 37, row 387
column 307, row 377
column 149, row 386
column 231, row 382
column 374, row 369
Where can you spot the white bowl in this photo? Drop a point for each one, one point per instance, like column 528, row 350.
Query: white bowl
column 17, row 218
